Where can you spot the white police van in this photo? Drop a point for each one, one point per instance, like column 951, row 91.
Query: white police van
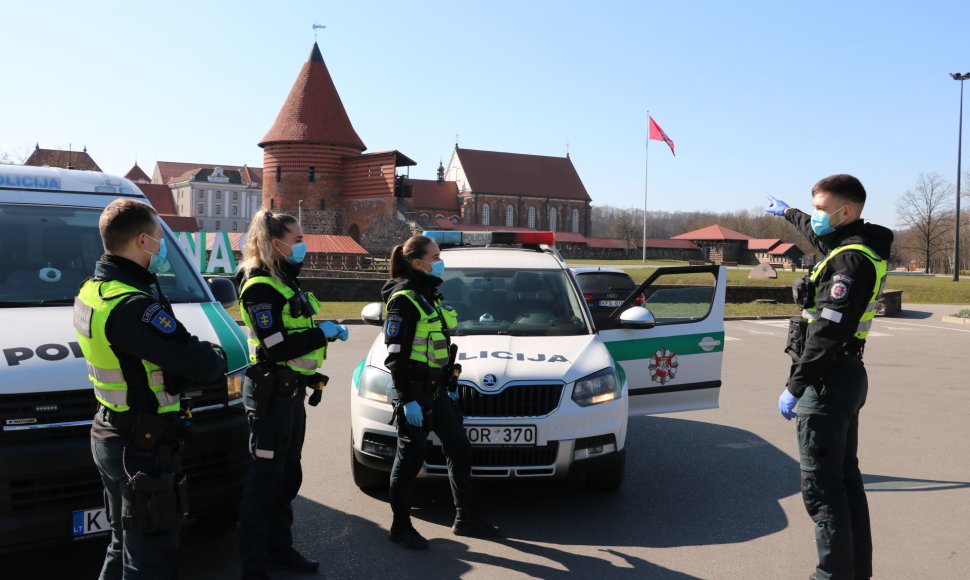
column 50, row 490
column 543, row 391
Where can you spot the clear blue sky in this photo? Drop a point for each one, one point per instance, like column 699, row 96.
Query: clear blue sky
column 761, row 97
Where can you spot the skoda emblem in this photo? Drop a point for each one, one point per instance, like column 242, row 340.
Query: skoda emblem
column 489, row 381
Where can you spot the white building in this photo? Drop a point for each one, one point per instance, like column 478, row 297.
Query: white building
column 221, row 198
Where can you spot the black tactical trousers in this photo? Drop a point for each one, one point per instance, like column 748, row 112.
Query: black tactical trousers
column 832, row 488
column 446, row 422
column 275, row 477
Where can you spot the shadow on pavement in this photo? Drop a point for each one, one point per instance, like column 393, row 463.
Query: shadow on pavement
column 889, row 483
column 912, row 315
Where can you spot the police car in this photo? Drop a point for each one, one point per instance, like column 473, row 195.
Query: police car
column 50, row 490
column 544, row 392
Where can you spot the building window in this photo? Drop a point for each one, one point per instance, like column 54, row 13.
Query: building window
column 201, row 209
column 218, row 209
column 532, row 217
column 553, row 215
column 201, row 194
column 576, row 221
column 279, row 174
column 323, row 205
column 201, row 225
column 218, row 225
column 235, row 196
column 235, row 226
column 312, row 174
column 509, row 216
column 218, row 195
column 235, row 210
column 486, row 214
column 272, row 204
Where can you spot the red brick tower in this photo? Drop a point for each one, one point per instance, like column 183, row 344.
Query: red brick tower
column 302, row 151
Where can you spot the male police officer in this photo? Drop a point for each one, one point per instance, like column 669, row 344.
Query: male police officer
column 139, row 358
column 828, row 381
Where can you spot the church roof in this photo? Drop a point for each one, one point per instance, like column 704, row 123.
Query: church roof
column 136, row 174
column 313, row 111
column 519, row 174
column 59, row 158
column 428, row 194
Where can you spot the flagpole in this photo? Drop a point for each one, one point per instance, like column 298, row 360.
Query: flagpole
column 646, row 160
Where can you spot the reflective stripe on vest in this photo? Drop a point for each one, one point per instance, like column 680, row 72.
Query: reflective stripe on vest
column 93, row 306
column 430, row 346
column 309, row 362
column 865, row 321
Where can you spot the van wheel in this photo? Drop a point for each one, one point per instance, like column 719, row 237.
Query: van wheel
column 609, row 477
column 368, row 478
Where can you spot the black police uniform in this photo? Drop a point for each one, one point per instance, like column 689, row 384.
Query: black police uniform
column 184, row 359
column 831, row 381
column 412, row 382
column 266, row 514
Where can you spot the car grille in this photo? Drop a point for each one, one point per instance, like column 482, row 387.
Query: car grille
column 501, row 456
column 524, row 400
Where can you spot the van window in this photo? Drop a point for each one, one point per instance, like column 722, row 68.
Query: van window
column 514, row 302
column 47, row 251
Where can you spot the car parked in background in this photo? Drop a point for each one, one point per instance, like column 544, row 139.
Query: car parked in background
column 604, row 289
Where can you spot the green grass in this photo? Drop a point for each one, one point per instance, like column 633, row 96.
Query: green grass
column 965, row 313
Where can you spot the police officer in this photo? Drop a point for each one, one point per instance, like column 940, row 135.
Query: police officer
column 140, row 358
column 828, row 381
column 286, row 348
column 421, row 364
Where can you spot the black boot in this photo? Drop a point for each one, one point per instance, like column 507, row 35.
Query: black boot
column 293, row 561
column 402, row 532
column 468, row 523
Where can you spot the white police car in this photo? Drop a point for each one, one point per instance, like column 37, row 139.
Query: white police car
column 543, row 391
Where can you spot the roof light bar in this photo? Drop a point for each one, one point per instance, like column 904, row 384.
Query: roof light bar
column 486, row 238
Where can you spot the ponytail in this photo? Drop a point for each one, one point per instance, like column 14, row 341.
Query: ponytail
column 402, row 254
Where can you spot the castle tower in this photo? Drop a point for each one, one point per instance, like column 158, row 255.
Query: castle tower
column 302, row 151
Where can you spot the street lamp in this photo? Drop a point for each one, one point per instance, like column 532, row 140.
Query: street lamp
column 956, row 246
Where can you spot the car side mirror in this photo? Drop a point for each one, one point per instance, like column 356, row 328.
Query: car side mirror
column 223, row 290
column 373, row 314
column 637, row 317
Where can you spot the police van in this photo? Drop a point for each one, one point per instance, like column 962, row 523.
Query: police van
column 544, row 392
column 50, row 489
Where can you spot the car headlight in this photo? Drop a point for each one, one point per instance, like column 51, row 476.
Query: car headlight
column 234, row 383
column 375, row 385
column 599, row 387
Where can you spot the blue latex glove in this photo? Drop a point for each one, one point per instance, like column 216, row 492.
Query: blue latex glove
column 412, row 412
column 776, row 207
column 330, row 330
column 453, row 395
column 343, row 332
column 786, row 404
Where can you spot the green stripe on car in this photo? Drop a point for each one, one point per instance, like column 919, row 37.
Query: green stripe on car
column 682, row 345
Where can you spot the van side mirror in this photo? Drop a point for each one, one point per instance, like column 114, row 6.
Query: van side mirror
column 637, row 317
column 373, row 314
column 224, row 291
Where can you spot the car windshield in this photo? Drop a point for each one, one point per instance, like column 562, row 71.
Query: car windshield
column 605, row 282
column 515, row 302
column 47, row 251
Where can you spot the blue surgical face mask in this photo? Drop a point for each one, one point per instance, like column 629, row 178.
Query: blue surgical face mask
column 821, row 222
column 158, row 259
column 437, row 268
column 299, row 252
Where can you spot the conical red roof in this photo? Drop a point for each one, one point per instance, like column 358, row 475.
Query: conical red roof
column 313, row 112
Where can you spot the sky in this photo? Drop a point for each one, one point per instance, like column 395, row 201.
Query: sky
column 760, row 97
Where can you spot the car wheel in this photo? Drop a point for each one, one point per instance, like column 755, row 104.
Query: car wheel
column 367, row 478
column 609, row 477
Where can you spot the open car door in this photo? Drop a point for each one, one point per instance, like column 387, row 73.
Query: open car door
column 675, row 365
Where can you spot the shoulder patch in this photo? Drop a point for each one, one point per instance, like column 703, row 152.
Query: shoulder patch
column 840, row 290
column 393, row 326
column 150, row 311
column 164, row 321
column 260, row 307
column 263, row 319
column 842, row 278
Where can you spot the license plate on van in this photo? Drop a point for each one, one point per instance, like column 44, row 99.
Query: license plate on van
column 611, row 303
column 501, row 434
column 90, row 522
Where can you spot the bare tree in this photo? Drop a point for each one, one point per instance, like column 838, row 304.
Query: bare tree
column 625, row 226
column 927, row 209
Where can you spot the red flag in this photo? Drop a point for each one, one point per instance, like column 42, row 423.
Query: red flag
column 657, row 134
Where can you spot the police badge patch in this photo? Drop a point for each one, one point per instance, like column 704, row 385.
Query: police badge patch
column 264, row 319
column 840, row 290
column 393, row 326
column 164, row 322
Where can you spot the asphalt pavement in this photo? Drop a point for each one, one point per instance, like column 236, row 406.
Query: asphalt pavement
column 708, row 494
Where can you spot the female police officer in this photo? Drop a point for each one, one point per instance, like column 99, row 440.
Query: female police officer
column 418, row 353
column 286, row 348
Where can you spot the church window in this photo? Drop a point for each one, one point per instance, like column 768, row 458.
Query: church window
column 509, row 216
column 552, row 218
column 532, row 217
column 576, row 221
column 486, row 214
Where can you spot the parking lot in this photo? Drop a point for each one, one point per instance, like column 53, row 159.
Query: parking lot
column 709, row 494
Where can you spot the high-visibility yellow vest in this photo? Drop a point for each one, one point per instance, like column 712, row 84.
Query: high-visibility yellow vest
column 430, row 344
column 865, row 322
column 309, row 362
column 92, row 307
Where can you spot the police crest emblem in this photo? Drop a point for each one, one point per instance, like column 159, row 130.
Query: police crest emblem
column 663, row 366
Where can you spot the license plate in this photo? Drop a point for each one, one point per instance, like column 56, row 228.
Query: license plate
column 501, row 434
column 611, row 303
column 89, row 522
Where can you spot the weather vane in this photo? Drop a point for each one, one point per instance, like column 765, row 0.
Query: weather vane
column 315, row 27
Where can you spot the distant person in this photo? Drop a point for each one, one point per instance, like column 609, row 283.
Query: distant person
column 420, row 360
column 828, row 381
column 140, row 359
column 286, row 348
